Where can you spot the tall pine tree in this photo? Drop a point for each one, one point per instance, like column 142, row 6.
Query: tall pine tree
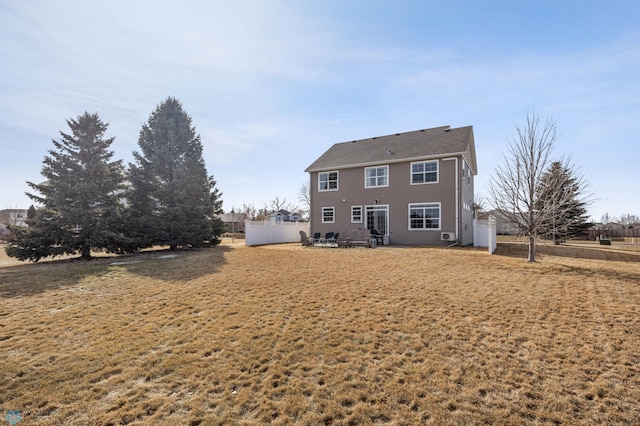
column 79, row 200
column 173, row 201
column 560, row 193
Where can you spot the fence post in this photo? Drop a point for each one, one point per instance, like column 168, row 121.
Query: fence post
column 491, row 229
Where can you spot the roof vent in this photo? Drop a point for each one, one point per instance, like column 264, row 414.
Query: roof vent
column 389, row 152
column 447, row 129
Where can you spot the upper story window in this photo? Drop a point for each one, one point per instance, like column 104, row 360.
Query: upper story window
column 424, row 172
column 328, row 181
column 376, row 176
column 468, row 173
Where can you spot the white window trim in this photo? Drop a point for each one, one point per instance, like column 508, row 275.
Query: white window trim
column 337, row 180
column 422, row 162
column 386, row 166
column 361, row 214
column 333, row 211
column 424, row 229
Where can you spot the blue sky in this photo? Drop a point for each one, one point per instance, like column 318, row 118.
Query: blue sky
column 271, row 85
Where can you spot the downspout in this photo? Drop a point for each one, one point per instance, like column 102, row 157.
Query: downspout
column 457, row 199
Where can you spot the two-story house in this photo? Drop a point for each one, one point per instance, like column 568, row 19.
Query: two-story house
column 415, row 188
column 283, row 216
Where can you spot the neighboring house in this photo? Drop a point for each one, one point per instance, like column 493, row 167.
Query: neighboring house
column 416, row 188
column 283, row 216
column 614, row 230
column 16, row 217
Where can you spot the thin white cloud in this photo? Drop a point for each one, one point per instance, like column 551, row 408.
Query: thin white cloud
column 222, row 146
column 587, row 76
column 266, row 80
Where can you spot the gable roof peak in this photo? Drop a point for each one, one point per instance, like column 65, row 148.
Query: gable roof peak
column 414, row 145
column 433, row 129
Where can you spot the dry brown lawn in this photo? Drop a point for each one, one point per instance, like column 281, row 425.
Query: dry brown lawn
column 292, row 335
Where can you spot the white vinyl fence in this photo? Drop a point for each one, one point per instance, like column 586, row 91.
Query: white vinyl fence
column 484, row 233
column 266, row 232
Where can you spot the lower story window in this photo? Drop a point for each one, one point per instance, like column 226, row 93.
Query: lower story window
column 424, row 216
column 328, row 214
column 356, row 214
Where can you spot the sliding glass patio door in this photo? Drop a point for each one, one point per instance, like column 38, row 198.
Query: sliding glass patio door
column 378, row 218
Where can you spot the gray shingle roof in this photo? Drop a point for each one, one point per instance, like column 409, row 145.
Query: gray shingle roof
column 408, row 146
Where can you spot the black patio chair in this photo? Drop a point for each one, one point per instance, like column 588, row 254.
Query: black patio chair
column 315, row 239
column 329, row 238
column 378, row 236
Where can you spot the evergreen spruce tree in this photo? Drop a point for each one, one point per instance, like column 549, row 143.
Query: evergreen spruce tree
column 560, row 192
column 31, row 213
column 173, row 201
column 79, row 200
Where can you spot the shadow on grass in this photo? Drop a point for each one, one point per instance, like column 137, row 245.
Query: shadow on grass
column 181, row 265
column 607, row 274
column 631, row 274
column 521, row 250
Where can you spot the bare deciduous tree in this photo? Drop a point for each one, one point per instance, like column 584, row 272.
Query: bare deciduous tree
column 304, row 196
column 249, row 211
column 628, row 219
column 516, row 189
column 277, row 204
column 480, row 201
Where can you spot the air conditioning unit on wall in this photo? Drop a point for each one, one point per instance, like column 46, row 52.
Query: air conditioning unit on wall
column 448, row 236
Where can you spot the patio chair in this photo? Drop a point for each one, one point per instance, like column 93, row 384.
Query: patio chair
column 344, row 239
column 315, row 239
column 329, row 238
column 378, row 236
column 366, row 236
column 304, row 240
